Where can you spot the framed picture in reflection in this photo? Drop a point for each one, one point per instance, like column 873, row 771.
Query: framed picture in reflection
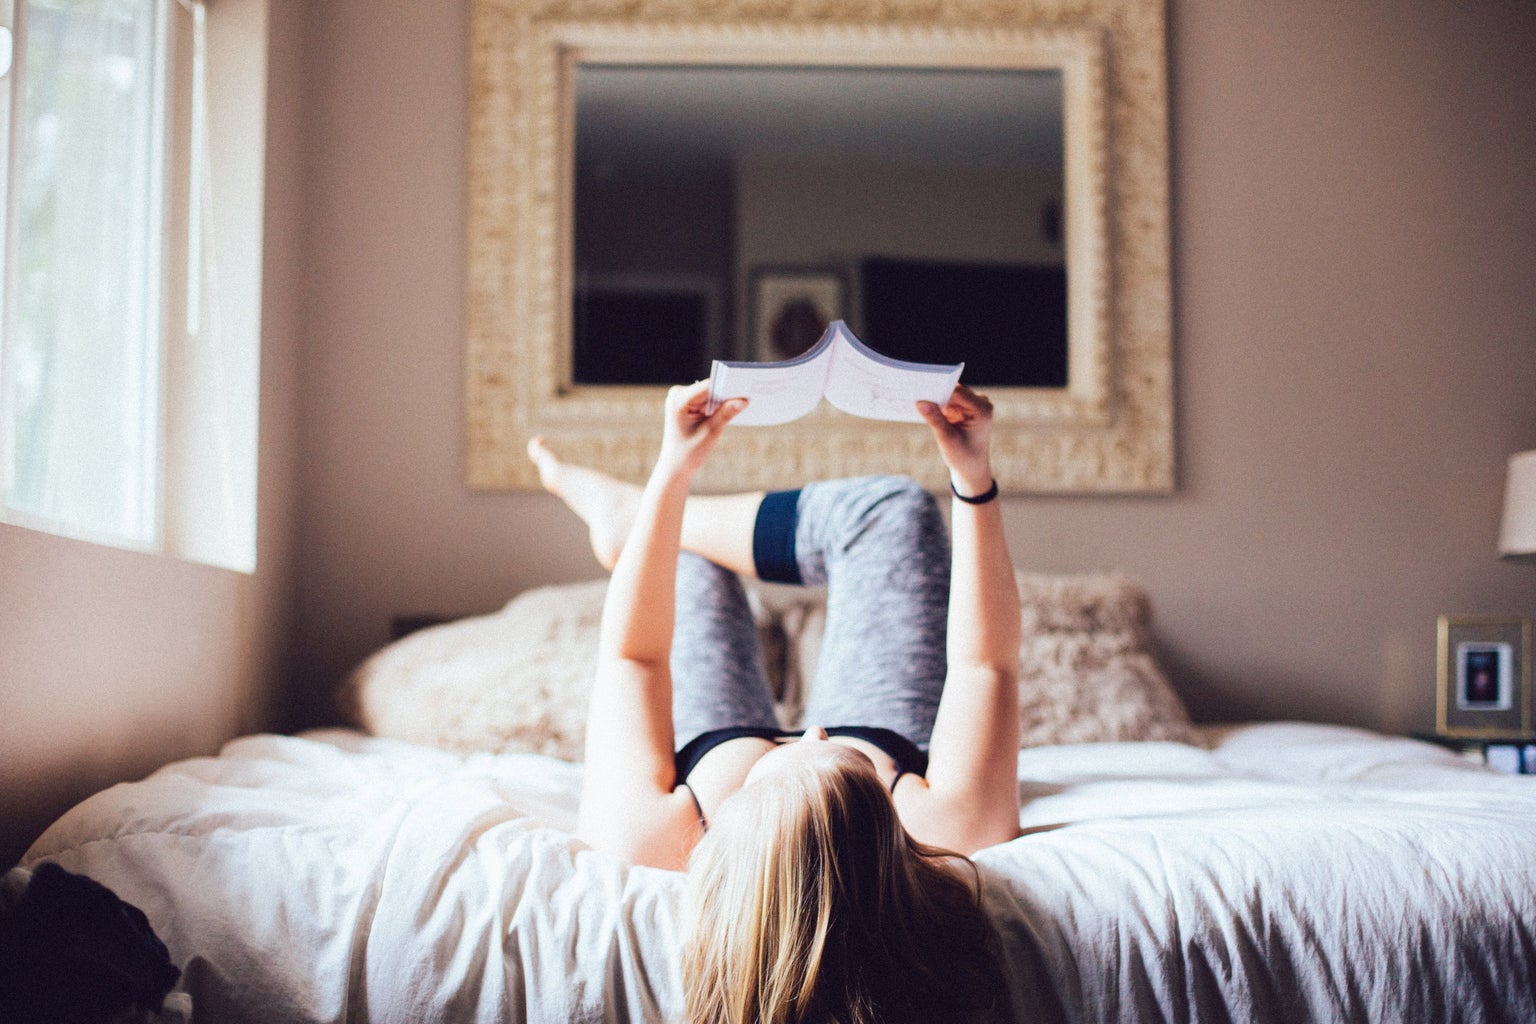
column 792, row 307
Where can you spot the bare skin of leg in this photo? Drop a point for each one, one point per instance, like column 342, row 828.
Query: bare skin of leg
column 715, row 526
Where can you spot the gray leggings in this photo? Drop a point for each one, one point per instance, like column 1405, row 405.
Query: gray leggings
column 880, row 546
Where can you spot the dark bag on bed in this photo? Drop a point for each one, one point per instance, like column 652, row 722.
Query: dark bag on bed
column 71, row 951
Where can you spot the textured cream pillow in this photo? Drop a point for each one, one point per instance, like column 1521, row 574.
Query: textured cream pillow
column 1088, row 669
column 518, row 680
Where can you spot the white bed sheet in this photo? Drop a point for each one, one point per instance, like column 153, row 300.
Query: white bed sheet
column 1292, row 873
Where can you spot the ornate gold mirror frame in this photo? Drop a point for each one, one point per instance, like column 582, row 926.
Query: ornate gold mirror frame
column 1109, row 431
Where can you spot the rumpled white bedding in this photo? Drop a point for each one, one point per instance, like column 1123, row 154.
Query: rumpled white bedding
column 1292, row 873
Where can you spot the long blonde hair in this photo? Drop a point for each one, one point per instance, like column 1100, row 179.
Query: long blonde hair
column 810, row 903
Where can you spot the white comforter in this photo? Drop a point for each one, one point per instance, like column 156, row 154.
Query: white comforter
column 1292, row 873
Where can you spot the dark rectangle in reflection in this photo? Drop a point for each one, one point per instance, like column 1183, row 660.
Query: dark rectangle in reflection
column 639, row 337
column 1007, row 322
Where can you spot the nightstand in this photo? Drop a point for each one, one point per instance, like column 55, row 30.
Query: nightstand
column 1509, row 755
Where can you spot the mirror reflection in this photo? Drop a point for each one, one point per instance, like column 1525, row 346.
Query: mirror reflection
column 731, row 212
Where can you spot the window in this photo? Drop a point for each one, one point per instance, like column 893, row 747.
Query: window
column 116, row 390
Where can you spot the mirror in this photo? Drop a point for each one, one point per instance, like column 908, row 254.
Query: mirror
column 733, row 212
column 649, row 193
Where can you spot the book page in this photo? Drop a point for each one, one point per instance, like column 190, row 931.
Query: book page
column 775, row 392
column 865, row 383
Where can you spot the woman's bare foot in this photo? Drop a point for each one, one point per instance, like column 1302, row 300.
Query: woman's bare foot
column 606, row 504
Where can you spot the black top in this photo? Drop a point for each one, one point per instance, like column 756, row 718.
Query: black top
column 909, row 759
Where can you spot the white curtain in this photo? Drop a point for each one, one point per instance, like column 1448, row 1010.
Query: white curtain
column 82, row 283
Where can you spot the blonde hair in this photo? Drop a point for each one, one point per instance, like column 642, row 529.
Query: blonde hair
column 810, row 903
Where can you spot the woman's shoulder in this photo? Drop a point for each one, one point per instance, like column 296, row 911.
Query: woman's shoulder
column 658, row 832
column 932, row 819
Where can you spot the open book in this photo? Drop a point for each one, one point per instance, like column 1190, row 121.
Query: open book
column 851, row 375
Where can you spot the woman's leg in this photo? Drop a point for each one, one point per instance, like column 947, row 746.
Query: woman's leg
column 881, row 547
column 718, row 678
column 717, row 526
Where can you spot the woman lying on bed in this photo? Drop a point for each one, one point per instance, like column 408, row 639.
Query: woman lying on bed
column 822, row 879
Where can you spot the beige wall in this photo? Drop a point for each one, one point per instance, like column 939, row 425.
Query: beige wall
column 1355, row 251
column 112, row 662
column 1356, row 349
column 833, row 214
column 795, row 212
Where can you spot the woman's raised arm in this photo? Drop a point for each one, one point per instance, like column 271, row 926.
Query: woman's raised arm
column 973, row 752
column 628, row 805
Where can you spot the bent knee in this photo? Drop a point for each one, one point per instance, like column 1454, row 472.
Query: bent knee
column 899, row 498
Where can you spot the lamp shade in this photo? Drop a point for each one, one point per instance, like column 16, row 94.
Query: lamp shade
column 1517, row 535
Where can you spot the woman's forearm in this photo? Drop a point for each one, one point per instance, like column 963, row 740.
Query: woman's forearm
column 983, row 635
column 638, row 616
column 639, row 611
column 984, row 626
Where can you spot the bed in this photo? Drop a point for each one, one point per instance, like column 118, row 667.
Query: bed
column 420, row 867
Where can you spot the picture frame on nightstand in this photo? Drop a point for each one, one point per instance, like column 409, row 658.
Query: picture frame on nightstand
column 1483, row 682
